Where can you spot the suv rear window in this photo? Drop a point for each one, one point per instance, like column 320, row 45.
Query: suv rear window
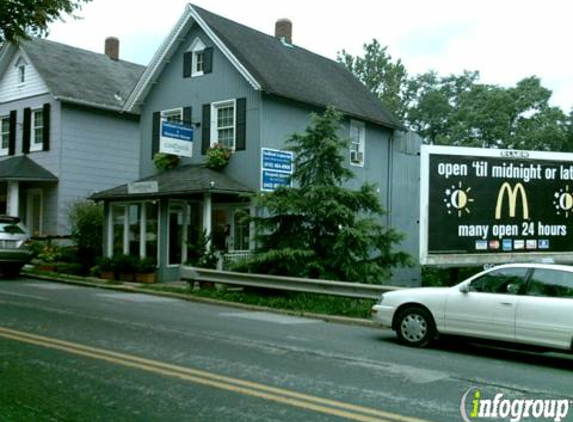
column 11, row 228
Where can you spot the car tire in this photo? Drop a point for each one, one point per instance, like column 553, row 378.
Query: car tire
column 11, row 271
column 415, row 327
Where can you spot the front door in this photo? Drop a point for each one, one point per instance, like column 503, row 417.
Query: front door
column 488, row 309
column 34, row 211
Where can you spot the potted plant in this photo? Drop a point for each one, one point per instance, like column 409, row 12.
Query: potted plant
column 106, row 268
column 145, row 269
column 218, row 156
column 124, row 267
column 164, row 161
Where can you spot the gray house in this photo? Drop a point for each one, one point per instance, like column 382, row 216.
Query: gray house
column 248, row 91
column 64, row 133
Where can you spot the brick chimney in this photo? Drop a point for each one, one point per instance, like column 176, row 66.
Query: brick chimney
column 112, row 48
column 283, row 30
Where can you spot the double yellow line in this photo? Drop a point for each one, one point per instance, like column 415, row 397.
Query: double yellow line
column 248, row 388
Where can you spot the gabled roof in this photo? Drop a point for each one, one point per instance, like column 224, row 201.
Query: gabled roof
column 21, row 168
column 81, row 76
column 183, row 180
column 269, row 65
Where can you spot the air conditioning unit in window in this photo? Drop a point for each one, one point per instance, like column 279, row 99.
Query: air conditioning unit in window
column 356, row 157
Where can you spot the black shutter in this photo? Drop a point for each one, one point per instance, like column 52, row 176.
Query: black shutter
column 155, row 133
column 187, row 63
column 12, row 135
column 208, row 60
column 241, row 135
column 206, row 128
column 187, row 116
column 46, row 128
column 26, row 130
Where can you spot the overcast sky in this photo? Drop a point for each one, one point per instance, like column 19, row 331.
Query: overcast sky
column 505, row 40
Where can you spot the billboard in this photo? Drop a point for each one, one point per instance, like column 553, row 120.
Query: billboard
column 481, row 206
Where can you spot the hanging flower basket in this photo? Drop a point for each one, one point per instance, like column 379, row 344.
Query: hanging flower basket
column 218, row 157
column 164, row 161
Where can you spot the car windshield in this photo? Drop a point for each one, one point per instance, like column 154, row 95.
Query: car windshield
column 11, row 228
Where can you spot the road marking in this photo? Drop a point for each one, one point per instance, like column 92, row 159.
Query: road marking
column 274, row 318
column 23, row 295
column 136, row 297
column 275, row 394
column 50, row 286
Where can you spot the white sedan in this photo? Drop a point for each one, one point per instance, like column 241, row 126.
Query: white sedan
column 520, row 303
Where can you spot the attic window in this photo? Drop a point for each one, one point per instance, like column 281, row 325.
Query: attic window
column 21, row 70
column 198, row 60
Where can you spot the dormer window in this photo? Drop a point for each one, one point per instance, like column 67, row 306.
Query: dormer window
column 198, row 60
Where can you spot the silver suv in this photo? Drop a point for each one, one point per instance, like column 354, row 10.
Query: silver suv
column 14, row 251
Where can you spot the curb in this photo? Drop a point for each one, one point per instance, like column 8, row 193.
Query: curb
column 361, row 322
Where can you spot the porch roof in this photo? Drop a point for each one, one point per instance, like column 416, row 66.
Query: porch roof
column 22, row 168
column 183, row 180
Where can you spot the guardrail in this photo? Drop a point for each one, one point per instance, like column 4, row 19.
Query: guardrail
column 325, row 287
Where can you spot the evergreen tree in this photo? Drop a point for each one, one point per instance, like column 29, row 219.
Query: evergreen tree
column 319, row 229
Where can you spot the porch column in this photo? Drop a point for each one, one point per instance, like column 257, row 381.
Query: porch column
column 13, row 202
column 207, row 218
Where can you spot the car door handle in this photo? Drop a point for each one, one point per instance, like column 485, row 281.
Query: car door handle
column 507, row 303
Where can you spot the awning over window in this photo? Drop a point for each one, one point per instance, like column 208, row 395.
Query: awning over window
column 184, row 180
column 23, row 169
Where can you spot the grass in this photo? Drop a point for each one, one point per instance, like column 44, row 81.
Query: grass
column 291, row 301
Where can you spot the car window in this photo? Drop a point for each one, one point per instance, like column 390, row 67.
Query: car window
column 504, row 281
column 551, row 283
column 10, row 228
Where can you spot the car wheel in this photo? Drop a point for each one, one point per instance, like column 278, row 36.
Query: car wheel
column 11, row 271
column 415, row 327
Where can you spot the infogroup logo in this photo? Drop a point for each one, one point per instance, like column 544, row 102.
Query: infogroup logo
column 474, row 407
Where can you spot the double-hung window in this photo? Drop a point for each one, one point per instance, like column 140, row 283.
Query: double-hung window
column 357, row 140
column 173, row 115
column 37, row 131
column 4, row 135
column 223, row 123
column 198, row 59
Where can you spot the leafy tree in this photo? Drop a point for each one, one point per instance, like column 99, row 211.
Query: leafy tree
column 320, row 229
column 458, row 110
column 21, row 18
column 387, row 79
column 86, row 223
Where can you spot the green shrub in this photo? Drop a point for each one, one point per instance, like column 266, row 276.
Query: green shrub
column 124, row 263
column 164, row 161
column 86, row 221
column 145, row 265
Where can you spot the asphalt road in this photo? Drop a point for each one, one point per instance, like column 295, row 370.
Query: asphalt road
column 71, row 353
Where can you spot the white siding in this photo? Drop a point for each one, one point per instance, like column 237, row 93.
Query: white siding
column 11, row 89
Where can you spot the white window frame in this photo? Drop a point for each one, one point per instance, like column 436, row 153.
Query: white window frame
column 125, row 234
column 4, row 135
column 171, row 112
column 357, row 153
column 197, row 48
column 215, row 129
column 33, row 145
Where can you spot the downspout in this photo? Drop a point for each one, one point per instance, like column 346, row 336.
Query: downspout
column 390, row 181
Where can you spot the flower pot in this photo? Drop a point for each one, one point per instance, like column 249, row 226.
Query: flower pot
column 145, row 278
column 107, row 275
column 126, row 276
column 46, row 267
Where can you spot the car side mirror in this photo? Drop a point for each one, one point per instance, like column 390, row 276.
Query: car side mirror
column 465, row 288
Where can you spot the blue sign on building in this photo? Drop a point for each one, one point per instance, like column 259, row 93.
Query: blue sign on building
column 176, row 138
column 276, row 168
column 272, row 180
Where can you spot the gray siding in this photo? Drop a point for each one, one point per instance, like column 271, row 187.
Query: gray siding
column 99, row 151
column 224, row 83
